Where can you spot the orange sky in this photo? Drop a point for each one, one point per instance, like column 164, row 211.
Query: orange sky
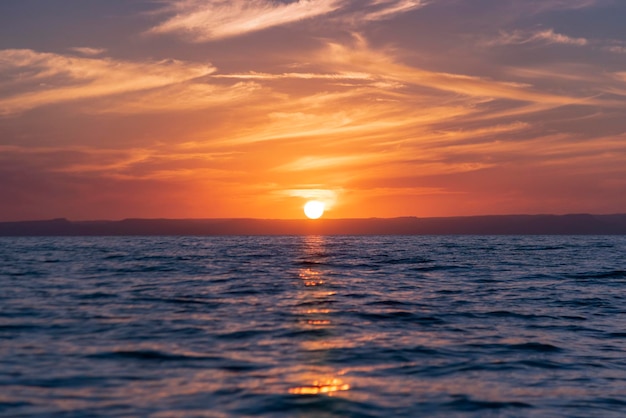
column 380, row 108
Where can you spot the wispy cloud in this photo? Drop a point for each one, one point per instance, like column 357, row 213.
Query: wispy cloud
column 327, row 196
column 576, row 73
column 210, row 20
column 386, row 96
column 305, row 76
column 156, row 162
column 389, row 8
column 207, row 20
column 616, row 49
column 546, row 36
column 34, row 79
column 184, row 96
column 311, row 163
column 88, row 51
column 362, row 58
column 540, row 6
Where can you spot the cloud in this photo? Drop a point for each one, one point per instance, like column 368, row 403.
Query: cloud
column 207, row 20
column 310, row 163
column 184, row 96
column 34, row 79
column 526, row 8
column 552, row 37
column 157, row 162
column 541, row 6
column 305, row 76
column 616, row 49
column 575, row 73
column 392, row 8
column 322, row 120
column 327, row 196
column 88, row 51
column 210, row 20
column 547, row 36
column 361, row 58
column 382, row 95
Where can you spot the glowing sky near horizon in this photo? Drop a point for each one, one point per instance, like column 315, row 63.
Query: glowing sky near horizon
column 378, row 108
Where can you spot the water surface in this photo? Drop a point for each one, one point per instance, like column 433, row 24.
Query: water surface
column 313, row 326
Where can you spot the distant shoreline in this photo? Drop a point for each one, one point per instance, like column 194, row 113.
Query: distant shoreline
column 574, row 224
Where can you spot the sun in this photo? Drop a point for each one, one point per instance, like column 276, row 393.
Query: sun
column 314, row 209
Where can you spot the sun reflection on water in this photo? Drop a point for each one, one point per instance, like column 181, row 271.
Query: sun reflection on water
column 321, row 387
column 317, row 379
column 311, row 277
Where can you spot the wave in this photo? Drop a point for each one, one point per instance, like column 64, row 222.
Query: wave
column 464, row 403
column 150, row 355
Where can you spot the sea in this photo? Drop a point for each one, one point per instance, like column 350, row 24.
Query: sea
column 313, row 326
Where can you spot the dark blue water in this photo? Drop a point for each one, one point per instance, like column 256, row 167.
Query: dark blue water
column 313, row 326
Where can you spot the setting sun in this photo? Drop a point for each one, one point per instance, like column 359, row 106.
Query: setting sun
column 314, row 209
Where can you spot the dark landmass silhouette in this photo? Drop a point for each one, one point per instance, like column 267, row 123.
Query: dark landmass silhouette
column 576, row 224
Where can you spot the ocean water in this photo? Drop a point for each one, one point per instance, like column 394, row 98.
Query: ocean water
column 313, row 326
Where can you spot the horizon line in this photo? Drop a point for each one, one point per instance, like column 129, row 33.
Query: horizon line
column 312, row 220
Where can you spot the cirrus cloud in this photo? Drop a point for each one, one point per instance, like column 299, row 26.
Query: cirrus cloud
column 35, row 79
column 547, row 36
column 212, row 20
column 202, row 20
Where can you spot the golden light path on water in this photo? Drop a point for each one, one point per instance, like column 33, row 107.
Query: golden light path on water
column 318, row 375
column 313, row 293
column 329, row 387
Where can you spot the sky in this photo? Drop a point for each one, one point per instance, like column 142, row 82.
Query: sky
column 113, row 109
